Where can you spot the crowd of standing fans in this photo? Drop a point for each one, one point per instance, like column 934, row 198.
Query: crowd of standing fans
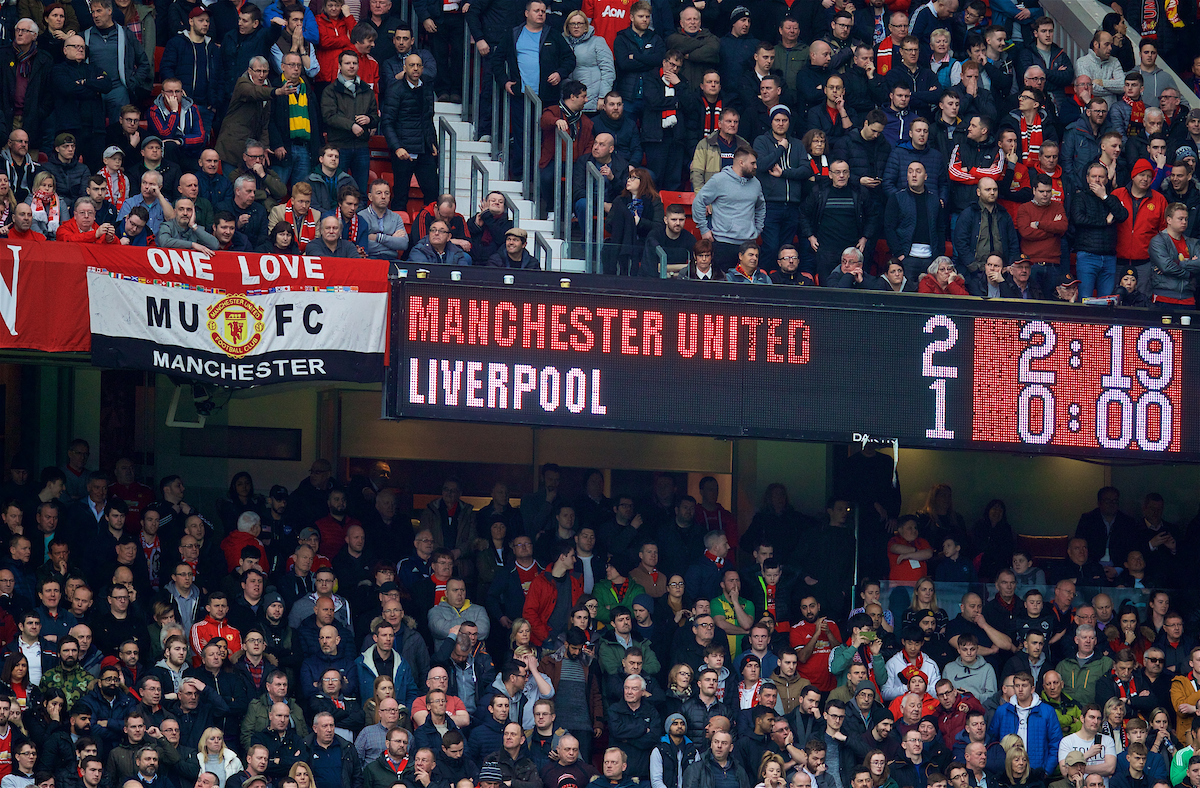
column 323, row 637
column 937, row 148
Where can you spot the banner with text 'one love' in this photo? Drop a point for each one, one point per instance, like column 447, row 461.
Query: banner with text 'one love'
column 235, row 319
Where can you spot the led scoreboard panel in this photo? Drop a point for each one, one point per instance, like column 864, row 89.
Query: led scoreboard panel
column 797, row 364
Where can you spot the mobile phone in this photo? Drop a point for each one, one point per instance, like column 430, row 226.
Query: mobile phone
column 868, row 636
column 1098, row 739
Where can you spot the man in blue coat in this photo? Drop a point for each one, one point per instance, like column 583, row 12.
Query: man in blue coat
column 1042, row 732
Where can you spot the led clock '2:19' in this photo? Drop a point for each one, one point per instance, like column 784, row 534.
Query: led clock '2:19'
column 1073, row 384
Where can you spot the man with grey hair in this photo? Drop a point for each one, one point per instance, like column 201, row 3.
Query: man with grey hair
column 849, row 273
column 184, row 232
column 634, row 725
column 250, row 215
column 330, row 242
column 330, row 753
column 268, row 187
column 249, row 112
column 82, row 227
column 1082, row 670
column 150, row 196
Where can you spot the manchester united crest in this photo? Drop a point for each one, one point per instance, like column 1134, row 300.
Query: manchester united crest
column 236, row 325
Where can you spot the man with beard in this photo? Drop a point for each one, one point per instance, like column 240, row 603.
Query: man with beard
column 109, row 702
column 67, row 676
column 384, row 771
column 58, row 752
column 577, row 699
column 813, row 639
column 333, row 526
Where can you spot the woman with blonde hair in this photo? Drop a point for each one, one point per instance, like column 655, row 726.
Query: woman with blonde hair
column 215, row 757
column 522, row 634
column 301, row 772
column 679, row 687
column 593, row 58
column 770, row 771
column 938, row 518
column 924, row 599
column 1016, row 768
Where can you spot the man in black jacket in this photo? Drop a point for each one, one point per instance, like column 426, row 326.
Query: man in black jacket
column 324, row 745
column 866, row 151
column 1103, row 526
column 836, row 215
column 408, row 126
column 22, row 60
column 556, row 61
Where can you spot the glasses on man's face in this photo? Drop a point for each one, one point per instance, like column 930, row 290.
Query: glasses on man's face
column 909, row 50
column 73, row 46
column 439, row 231
column 1155, row 659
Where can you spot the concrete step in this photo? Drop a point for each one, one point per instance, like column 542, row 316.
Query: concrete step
column 446, row 108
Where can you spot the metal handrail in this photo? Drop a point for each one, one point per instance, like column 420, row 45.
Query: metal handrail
column 540, row 246
column 478, row 190
column 470, row 55
column 593, row 230
column 1076, row 22
column 500, row 123
column 530, row 181
column 448, row 160
column 512, row 206
column 564, row 156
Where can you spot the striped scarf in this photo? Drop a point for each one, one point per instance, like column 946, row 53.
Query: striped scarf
column 1031, row 139
column 668, row 115
column 306, row 231
column 712, row 115
column 298, row 122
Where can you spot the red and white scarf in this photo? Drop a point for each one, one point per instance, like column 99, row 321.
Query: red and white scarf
column 883, row 56
column 1031, row 139
column 669, row 92
column 308, row 227
column 118, row 187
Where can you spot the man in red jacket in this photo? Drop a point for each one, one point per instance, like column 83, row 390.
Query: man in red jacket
column 956, row 704
column 82, row 227
column 1147, row 218
column 333, row 526
column 546, row 618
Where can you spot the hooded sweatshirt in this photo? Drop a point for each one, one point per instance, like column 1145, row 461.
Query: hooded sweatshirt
column 739, row 208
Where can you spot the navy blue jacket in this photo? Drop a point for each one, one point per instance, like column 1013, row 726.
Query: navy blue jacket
column 198, row 65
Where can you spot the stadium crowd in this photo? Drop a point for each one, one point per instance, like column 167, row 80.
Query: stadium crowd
column 945, row 149
column 321, row 637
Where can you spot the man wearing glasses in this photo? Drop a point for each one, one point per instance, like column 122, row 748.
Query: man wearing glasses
column 897, row 31
column 249, row 113
column 914, row 76
column 268, row 187
column 1081, row 143
column 28, row 108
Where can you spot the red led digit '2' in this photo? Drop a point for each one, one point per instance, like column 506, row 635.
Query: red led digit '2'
column 1073, row 384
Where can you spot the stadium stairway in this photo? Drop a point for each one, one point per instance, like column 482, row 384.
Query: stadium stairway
column 467, row 147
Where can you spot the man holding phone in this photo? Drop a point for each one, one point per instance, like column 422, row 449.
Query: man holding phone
column 1098, row 750
column 577, row 698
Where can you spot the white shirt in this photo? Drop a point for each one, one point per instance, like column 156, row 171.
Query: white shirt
column 1082, row 743
column 33, row 654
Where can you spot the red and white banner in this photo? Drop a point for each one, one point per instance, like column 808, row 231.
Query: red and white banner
column 227, row 318
column 43, row 298
column 239, row 319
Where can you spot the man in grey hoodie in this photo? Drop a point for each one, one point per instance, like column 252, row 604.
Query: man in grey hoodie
column 736, row 199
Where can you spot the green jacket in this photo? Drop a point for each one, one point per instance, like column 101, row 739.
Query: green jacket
column 842, row 657
column 1179, row 765
column 609, row 653
column 1070, row 713
column 606, row 595
column 1080, row 680
column 258, row 714
column 73, row 683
